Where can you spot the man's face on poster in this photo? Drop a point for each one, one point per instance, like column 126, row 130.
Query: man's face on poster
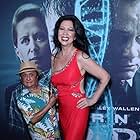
column 32, row 42
column 125, row 40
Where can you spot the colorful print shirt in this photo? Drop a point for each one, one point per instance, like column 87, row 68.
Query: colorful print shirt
column 29, row 104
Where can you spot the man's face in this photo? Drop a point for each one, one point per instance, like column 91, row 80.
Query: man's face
column 125, row 41
column 32, row 42
column 29, row 79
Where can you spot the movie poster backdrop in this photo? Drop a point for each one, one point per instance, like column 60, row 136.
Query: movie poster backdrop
column 113, row 31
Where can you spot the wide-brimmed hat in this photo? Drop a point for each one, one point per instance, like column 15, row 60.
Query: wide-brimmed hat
column 28, row 66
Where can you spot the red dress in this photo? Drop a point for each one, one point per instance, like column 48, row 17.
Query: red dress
column 73, row 121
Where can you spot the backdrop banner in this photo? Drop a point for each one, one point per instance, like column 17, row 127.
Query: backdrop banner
column 113, row 30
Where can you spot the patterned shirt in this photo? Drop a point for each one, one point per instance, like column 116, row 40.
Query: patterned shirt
column 31, row 103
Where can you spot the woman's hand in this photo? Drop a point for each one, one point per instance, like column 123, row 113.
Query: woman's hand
column 85, row 102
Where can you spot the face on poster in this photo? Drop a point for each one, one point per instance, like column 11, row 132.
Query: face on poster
column 25, row 38
column 124, row 55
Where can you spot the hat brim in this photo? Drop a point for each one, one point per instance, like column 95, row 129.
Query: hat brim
column 29, row 70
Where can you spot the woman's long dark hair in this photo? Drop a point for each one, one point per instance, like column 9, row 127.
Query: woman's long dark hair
column 81, row 42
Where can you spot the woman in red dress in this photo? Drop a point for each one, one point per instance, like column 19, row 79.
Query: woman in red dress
column 69, row 66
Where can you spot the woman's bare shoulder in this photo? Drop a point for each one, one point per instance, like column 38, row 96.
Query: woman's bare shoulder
column 82, row 55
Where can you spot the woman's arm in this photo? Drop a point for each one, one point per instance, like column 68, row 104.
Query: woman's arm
column 86, row 64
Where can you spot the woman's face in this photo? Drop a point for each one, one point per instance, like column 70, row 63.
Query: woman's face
column 32, row 42
column 29, row 79
column 66, row 33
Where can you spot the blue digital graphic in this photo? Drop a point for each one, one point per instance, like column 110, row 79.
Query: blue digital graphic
column 95, row 18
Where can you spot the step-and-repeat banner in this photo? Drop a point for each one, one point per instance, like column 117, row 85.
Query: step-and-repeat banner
column 113, row 29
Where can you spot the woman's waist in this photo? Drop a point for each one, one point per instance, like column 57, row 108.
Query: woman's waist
column 68, row 88
column 73, row 92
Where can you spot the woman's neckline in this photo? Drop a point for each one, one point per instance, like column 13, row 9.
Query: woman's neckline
column 65, row 66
